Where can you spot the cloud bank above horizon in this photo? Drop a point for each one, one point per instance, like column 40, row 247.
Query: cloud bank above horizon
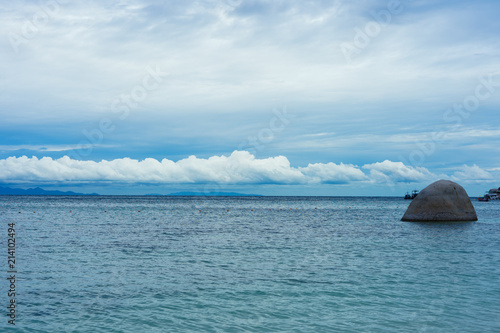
column 240, row 167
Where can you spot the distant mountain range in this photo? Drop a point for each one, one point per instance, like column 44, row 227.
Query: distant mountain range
column 36, row 191
column 41, row 191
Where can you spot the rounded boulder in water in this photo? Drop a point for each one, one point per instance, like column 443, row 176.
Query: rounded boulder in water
column 442, row 201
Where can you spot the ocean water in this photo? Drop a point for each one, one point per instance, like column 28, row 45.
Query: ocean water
column 248, row 264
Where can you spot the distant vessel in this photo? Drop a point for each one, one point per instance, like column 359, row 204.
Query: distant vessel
column 493, row 194
column 411, row 196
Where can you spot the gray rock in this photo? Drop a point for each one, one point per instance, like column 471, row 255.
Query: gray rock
column 443, row 200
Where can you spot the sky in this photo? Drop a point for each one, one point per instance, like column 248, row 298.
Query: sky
column 309, row 97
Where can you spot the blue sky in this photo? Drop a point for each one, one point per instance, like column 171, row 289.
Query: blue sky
column 267, row 97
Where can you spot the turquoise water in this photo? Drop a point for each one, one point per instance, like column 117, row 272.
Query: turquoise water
column 264, row 264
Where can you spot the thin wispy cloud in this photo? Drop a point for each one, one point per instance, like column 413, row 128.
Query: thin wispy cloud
column 472, row 173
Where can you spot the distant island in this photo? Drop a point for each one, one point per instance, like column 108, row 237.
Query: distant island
column 37, row 191
column 41, row 191
column 210, row 194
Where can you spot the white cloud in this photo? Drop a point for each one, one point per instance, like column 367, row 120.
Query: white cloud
column 240, row 167
column 388, row 171
column 332, row 173
column 471, row 173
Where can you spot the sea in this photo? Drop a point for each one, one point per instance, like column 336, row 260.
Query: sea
column 245, row 264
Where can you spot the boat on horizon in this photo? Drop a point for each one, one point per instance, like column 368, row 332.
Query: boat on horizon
column 411, row 196
column 493, row 194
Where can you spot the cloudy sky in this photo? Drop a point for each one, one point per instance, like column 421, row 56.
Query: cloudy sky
column 281, row 97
